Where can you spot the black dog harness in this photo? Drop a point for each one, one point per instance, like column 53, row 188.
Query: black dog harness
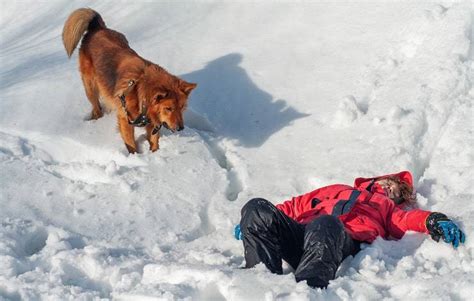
column 142, row 119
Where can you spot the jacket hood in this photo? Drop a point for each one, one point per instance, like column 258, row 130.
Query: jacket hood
column 404, row 176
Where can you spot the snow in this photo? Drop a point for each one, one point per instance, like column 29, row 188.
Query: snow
column 291, row 96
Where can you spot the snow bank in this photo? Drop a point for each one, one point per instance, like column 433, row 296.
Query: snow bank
column 290, row 97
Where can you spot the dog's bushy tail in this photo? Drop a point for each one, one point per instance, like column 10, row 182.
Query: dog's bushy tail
column 77, row 24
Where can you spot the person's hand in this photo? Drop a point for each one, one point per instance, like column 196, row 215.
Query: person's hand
column 439, row 225
column 237, row 233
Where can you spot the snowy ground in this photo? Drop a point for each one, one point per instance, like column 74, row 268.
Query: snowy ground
column 291, row 96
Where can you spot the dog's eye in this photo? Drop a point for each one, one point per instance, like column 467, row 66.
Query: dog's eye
column 168, row 109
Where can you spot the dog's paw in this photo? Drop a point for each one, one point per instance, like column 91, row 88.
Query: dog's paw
column 96, row 115
column 131, row 149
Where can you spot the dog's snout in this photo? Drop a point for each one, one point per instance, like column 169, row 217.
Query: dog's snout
column 180, row 128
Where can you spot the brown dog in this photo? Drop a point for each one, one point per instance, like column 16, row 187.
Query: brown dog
column 143, row 93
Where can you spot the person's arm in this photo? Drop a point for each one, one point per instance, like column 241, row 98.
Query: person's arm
column 400, row 221
column 303, row 203
column 436, row 224
column 296, row 205
column 299, row 204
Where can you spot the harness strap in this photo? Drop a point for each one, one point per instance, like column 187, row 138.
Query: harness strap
column 344, row 206
column 142, row 120
column 122, row 101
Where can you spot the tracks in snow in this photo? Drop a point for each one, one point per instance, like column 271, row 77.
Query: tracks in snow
column 234, row 186
column 218, row 150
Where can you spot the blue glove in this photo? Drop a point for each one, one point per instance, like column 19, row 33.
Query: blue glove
column 237, row 233
column 439, row 225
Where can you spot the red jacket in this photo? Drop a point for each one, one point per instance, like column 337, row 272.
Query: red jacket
column 364, row 209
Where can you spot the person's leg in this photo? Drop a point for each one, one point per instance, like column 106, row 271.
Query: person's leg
column 270, row 236
column 326, row 245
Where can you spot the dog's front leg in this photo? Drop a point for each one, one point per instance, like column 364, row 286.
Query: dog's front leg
column 152, row 139
column 127, row 132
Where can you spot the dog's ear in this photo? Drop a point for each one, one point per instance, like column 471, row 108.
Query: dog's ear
column 187, row 87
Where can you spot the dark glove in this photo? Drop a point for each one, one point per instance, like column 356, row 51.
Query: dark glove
column 439, row 225
column 237, row 233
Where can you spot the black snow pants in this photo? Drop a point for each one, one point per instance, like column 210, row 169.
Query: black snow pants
column 314, row 250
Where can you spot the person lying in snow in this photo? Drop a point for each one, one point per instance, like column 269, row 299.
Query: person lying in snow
column 316, row 231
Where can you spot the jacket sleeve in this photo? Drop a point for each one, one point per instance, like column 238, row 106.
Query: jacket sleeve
column 297, row 205
column 399, row 221
column 306, row 202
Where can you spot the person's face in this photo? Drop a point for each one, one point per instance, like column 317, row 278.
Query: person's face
column 392, row 190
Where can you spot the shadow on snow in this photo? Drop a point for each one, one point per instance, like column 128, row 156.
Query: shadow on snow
column 234, row 105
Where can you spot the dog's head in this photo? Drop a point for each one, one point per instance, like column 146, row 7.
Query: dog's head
column 165, row 95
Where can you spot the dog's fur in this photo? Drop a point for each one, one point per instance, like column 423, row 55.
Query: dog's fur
column 107, row 65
